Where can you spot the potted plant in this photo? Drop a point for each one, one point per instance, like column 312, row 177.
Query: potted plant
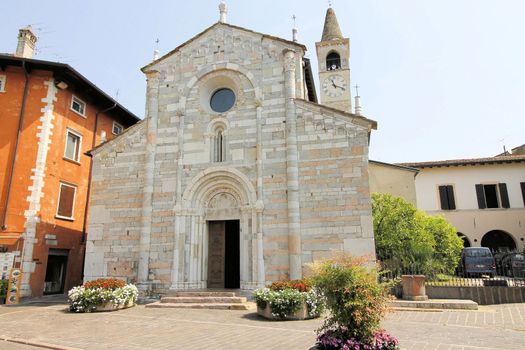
column 103, row 294
column 290, row 300
column 3, row 290
column 356, row 302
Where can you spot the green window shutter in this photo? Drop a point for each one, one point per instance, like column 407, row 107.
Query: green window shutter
column 481, row 196
column 443, row 197
column 522, row 184
column 504, row 195
column 451, row 199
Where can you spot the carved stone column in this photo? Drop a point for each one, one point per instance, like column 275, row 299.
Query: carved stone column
column 178, row 246
column 152, row 109
column 257, row 247
column 292, row 168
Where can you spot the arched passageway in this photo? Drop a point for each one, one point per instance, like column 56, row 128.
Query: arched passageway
column 498, row 240
column 466, row 241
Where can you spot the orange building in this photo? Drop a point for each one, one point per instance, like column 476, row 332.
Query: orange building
column 50, row 116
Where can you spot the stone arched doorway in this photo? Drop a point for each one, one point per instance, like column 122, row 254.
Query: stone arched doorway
column 498, row 240
column 466, row 241
column 218, row 241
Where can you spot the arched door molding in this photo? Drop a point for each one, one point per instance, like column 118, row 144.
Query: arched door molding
column 217, row 193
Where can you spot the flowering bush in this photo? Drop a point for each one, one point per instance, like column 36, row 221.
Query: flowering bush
column 105, row 283
column 380, row 341
column 300, row 285
column 285, row 298
column 357, row 303
column 92, row 294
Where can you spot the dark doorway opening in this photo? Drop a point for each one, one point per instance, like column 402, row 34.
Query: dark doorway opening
column 55, row 280
column 232, row 263
column 498, row 240
column 466, row 242
column 224, row 254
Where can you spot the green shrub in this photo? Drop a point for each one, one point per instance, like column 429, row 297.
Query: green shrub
column 356, row 301
column 3, row 288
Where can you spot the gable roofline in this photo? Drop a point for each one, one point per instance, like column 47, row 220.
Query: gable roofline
column 516, row 151
column 100, row 147
column 397, row 166
column 372, row 124
column 466, row 162
column 71, row 76
column 175, row 50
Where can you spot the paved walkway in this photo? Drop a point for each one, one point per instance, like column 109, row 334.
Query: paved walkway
column 494, row 327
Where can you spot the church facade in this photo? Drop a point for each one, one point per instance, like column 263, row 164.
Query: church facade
column 237, row 176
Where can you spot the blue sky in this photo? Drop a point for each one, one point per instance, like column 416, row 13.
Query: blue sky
column 443, row 78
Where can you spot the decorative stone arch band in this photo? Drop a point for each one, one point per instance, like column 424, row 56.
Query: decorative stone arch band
column 206, row 181
column 216, row 194
column 215, row 68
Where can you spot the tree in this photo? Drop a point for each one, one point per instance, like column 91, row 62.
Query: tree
column 448, row 244
column 411, row 240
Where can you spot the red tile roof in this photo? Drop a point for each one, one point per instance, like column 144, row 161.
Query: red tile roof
column 463, row 162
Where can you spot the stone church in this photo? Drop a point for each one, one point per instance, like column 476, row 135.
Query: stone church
column 237, row 176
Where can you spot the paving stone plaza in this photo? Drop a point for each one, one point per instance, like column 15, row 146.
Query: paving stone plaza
column 490, row 327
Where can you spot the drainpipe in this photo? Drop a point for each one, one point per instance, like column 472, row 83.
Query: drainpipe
column 20, row 122
column 93, row 144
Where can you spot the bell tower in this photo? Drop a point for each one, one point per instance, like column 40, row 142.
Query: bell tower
column 333, row 53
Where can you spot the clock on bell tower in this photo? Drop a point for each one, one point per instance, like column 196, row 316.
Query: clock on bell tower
column 333, row 53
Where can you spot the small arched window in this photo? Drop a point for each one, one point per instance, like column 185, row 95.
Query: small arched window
column 218, row 148
column 333, row 61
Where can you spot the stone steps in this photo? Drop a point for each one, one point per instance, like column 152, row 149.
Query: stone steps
column 220, row 306
column 202, row 294
column 204, row 300
column 217, row 300
column 443, row 304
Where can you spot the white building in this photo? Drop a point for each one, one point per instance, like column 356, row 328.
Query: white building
column 483, row 198
column 237, row 176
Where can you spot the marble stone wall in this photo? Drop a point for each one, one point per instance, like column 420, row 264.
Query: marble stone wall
column 156, row 186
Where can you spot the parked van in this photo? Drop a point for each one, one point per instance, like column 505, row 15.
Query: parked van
column 477, row 261
column 513, row 265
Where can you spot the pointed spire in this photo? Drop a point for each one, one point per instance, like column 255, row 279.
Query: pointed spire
column 331, row 29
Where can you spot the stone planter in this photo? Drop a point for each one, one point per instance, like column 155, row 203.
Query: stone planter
column 112, row 307
column 414, row 287
column 301, row 314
